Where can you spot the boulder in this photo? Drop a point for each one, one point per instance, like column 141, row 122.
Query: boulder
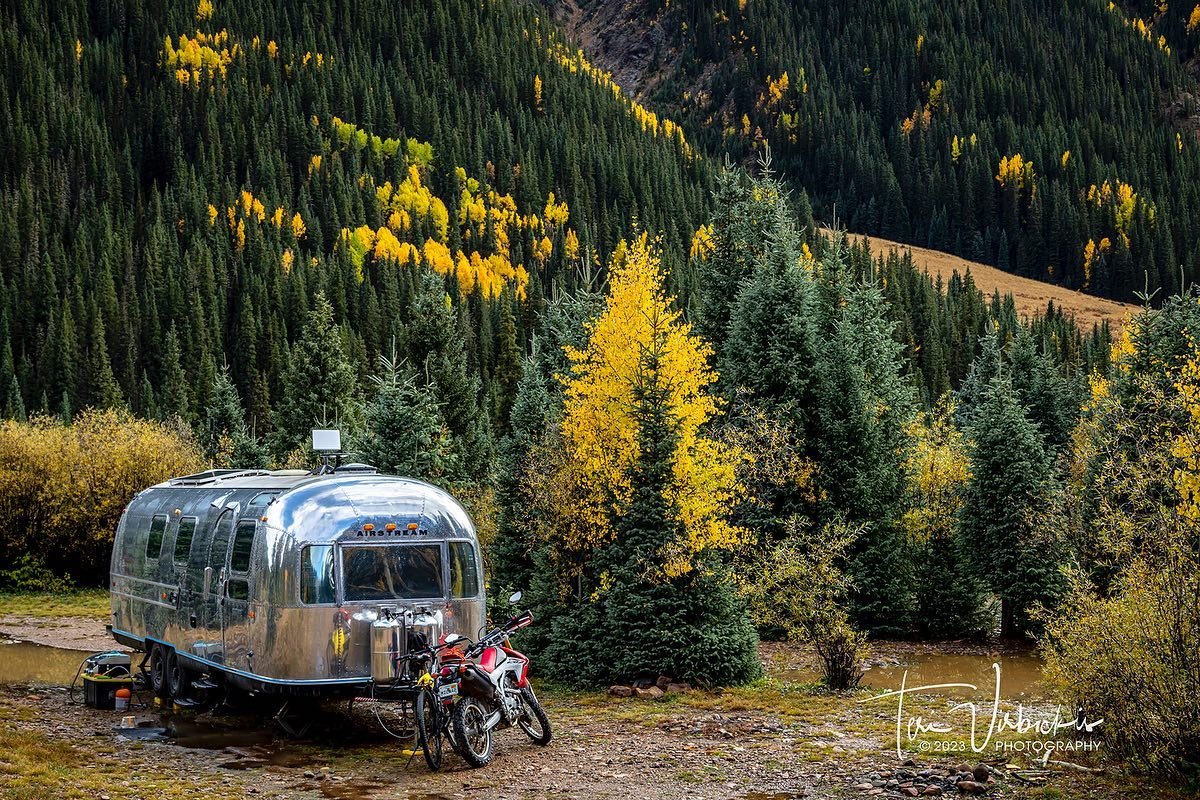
column 653, row 693
column 678, row 688
column 982, row 772
column 620, row 691
column 971, row 787
column 932, row 791
column 663, row 682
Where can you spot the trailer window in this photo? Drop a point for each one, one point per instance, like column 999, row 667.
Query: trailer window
column 158, row 526
column 243, row 544
column 183, row 539
column 398, row 572
column 237, row 589
column 316, row 575
column 464, row 572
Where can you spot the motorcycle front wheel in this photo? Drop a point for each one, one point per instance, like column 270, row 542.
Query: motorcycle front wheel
column 429, row 728
column 469, row 720
column 533, row 719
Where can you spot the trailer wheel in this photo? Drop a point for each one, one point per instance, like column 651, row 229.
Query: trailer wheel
column 158, row 669
column 179, row 677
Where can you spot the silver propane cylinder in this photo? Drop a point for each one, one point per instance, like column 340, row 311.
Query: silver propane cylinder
column 387, row 644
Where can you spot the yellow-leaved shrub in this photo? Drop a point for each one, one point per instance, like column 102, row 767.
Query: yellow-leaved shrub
column 63, row 487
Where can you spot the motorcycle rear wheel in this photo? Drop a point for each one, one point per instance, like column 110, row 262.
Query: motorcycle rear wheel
column 533, row 719
column 469, row 720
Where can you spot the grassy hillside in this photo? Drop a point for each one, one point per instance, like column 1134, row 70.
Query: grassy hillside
column 1029, row 296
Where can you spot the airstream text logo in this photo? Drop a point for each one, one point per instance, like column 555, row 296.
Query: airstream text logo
column 377, row 533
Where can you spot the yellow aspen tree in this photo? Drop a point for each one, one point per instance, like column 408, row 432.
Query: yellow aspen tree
column 600, row 425
column 298, row 226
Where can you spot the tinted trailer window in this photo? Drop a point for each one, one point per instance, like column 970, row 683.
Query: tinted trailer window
column 395, row 572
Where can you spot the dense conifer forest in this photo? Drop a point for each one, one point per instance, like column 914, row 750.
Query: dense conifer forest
column 179, row 183
column 1054, row 140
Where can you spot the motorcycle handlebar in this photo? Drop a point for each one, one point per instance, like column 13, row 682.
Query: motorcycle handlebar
column 497, row 635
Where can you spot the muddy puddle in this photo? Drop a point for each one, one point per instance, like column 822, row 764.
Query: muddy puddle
column 26, row 663
column 1020, row 674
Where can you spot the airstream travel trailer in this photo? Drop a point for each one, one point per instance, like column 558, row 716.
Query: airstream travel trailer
column 276, row 581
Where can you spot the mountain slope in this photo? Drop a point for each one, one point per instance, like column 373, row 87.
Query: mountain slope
column 179, row 180
column 1029, row 296
column 1053, row 140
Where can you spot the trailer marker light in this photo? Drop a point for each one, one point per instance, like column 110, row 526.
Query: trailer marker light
column 368, row 527
column 391, row 526
column 412, row 526
column 262, row 518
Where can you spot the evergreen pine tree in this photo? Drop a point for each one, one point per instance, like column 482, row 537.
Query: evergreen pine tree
column 1009, row 487
column 864, row 404
column 320, row 386
column 508, row 364
column 405, row 434
column 14, row 405
column 175, row 396
column 223, row 433
column 437, row 350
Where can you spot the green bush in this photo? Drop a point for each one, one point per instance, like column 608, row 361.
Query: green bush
column 30, row 574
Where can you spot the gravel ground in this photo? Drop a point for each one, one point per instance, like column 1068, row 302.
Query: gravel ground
column 749, row 744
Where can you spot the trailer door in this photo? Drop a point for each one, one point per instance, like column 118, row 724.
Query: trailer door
column 235, row 598
column 213, row 583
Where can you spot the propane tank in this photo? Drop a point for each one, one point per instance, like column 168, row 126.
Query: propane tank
column 122, row 698
column 387, row 643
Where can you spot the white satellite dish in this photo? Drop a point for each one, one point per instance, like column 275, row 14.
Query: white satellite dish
column 326, row 440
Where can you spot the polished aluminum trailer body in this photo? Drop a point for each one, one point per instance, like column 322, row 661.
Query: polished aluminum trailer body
column 272, row 580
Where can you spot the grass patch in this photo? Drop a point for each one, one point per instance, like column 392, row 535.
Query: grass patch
column 89, row 603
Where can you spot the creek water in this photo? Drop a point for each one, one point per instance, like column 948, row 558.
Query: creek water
column 23, row 662
column 1020, row 674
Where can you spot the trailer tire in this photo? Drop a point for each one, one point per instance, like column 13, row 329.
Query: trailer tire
column 179, row 677
column 158, row 669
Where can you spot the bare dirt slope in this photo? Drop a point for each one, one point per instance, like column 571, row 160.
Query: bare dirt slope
column 1029, row 295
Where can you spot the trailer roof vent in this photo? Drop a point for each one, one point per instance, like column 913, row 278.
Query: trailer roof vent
column 355, row 469
column 201, row 478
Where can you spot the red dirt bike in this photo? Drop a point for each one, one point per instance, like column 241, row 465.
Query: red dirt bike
column 484, row 686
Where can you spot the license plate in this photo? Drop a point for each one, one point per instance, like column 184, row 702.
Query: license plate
column 448, row 690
